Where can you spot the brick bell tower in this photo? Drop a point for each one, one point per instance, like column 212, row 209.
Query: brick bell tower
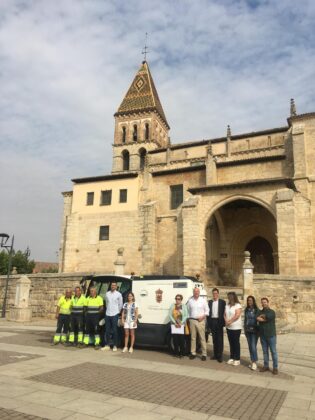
column 140, row 124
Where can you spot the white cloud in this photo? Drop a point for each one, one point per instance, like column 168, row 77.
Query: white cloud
column 65, row 66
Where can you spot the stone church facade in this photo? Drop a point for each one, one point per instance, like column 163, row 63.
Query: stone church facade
column 195, row 207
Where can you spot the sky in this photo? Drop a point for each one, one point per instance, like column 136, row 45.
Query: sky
column 65, row 66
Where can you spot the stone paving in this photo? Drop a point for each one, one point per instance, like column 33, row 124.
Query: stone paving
column 195, row 394
column 84, row 384
column 15, row 415
column 14, row 357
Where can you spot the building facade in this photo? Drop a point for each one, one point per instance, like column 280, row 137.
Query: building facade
column 195, row 207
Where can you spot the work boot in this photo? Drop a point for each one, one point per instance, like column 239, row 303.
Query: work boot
column 264, row 369
column 275, row 371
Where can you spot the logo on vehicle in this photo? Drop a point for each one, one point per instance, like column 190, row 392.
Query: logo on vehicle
column 159, row 295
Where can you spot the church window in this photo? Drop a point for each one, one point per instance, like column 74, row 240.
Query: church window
column 123, row 196
column 123, row 138
column 106, row 198
column 176, row 195
column 104, row 233
column 125, row 156
column 90, row 198
column 146, row 132
column 142, row 153
column 135, row 133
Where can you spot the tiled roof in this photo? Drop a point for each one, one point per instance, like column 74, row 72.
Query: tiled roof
column 142, row 95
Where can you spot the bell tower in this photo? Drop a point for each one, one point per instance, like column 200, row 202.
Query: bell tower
column 140, row 124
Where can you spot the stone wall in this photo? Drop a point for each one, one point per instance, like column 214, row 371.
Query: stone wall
column 45, row 291
column 293, row 298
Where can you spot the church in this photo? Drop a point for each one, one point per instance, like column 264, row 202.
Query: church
column 195, row 207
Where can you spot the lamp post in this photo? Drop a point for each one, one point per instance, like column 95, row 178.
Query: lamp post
column 4, row 237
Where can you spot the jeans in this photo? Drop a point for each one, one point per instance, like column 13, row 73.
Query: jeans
column 252, row 339
column 111, row 327
column 266, row 344
column 234, row 341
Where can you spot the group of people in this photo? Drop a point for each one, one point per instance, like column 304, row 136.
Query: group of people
column 78, row 321
column 200, row 315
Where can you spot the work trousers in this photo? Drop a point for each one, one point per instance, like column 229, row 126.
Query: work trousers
column 234, row 341
column 76, row 328
column 217, row 338
column 111, row 328
column 266, row 344
column 197, row 328
column 179, row 344
column 92, row 329
column 63, row 324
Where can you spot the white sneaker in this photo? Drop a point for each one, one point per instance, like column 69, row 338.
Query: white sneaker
column 250, row 366
column 114, row 348
column 106, row 348
column 236, row 363
column 125, row 350
column 230, row 362
column 254, row 366
column 131, row 350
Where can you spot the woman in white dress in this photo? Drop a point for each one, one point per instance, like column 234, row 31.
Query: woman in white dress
column 129, row 319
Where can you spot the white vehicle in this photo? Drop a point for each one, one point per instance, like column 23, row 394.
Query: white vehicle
column 154, row 295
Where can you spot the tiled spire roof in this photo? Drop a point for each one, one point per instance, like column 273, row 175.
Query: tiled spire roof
column 142, row 95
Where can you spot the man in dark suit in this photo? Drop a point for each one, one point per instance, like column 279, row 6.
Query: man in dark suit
column 216, row 324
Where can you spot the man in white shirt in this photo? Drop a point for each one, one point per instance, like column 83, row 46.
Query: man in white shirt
column 198, row 310
column 114, row 304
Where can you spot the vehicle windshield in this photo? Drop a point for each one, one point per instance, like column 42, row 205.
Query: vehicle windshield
column 103, row 286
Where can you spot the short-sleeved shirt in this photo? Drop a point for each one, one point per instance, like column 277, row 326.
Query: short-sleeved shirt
column 229, row 313
column 64, row 305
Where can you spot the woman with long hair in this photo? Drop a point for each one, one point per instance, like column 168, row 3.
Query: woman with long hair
column 251, row 330
column 233, row 323
column 129, row 319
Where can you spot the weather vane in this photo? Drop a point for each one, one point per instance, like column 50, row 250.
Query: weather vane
column 145, row 48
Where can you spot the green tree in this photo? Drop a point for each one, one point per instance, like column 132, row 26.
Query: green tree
column 20, row 260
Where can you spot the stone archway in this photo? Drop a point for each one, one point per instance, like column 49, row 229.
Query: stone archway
column 230, row 230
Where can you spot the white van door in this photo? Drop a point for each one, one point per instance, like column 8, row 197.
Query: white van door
column 154, row 298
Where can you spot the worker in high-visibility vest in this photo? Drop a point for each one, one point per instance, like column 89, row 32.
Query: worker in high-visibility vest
column 77, row 317
column 63, row 318
column 94, row 307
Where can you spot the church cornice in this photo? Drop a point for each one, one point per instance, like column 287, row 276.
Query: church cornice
column 288, row 182
column 105, row 177
column 222, row 139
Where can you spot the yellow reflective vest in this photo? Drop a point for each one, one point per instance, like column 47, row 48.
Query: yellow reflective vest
column 78, row 305
column 93, row 304
column 64, row 305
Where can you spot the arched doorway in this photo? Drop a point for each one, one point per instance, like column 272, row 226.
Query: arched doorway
column 236, row 226
column 261, row 255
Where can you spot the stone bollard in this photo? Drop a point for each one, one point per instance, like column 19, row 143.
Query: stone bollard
column 21, row 312
column 120, row 262
column 248, row 276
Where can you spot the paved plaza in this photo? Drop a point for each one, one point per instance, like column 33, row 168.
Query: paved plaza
column 38, row 381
